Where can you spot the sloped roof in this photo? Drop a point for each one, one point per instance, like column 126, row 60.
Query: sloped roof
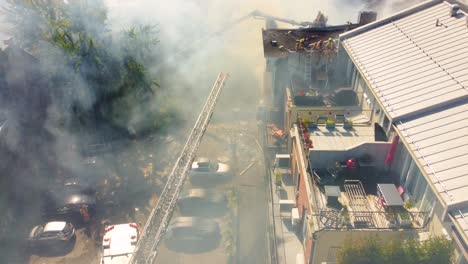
column 439, row 139
column 417, row 64
column 414, row 61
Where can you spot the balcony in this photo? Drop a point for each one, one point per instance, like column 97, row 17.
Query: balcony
column 303, row 96
column 351, row 199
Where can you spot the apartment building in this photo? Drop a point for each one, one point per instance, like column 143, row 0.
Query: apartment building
column 408, row 131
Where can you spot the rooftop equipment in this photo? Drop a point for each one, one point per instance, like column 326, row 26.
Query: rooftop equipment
column 454, row 10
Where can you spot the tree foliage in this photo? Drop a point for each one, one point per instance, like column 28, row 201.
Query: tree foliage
column 89, row 67
column 374, row 250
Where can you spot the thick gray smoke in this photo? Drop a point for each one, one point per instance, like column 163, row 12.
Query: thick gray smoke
column 237, row 49
column 187, row 61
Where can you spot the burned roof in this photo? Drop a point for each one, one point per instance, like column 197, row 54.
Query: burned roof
column 279, row 42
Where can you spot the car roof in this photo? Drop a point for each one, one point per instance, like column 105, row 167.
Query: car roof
column 67, row 197
column 79, row 199
column 195, row 193
column 199, row 223
column 54, row 226
column 203, row 193
column 119, row 239
column 202, row 160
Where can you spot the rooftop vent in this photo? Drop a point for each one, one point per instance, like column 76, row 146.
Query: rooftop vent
column 454, row 10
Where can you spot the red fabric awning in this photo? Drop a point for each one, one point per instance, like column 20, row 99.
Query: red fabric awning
column 391, row 152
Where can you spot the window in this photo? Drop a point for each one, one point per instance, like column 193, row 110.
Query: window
column 213, row 166
column 410, row 178
column 405, row 166
column 50, row 234
column 427, row 200
column 386, row 124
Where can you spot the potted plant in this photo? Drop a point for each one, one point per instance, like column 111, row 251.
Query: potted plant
column 408, row 205
column 312, row 125
column 348, row 124
column 391, row 219
column 330, row 124
column 404, row 218
column 344, row 215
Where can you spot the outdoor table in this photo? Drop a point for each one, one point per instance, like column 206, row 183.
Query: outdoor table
column 332, row 192
column 390, row 194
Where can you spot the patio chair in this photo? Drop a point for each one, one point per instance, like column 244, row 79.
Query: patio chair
column 312, row 125
column 322, row 119
column 340, row 119
column 330, row 124
column 400, row 191
column 348, row 124
column 381, row 203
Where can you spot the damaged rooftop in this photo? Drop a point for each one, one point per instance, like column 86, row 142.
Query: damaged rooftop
column 280, row 42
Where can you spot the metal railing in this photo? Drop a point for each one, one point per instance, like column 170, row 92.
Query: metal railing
column 383, row 220
column 147, row 248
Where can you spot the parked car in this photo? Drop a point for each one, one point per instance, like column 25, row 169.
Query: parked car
column 57, row 233
column 118, row 243
column 76, row 184
column 205, row 171
column 202, row 202
column 192, row 231
column 67, row 204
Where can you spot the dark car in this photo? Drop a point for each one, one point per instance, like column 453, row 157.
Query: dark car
column 78, row 185
column 51, row 234
column 68, row 204
column 191, row 233
column 202, row 202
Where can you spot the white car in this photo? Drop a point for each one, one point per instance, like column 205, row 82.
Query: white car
column 205, row 170
column 119, row 243
column 51, row 234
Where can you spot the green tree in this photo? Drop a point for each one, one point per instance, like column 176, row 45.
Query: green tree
column 91, row 70
column 374, row 250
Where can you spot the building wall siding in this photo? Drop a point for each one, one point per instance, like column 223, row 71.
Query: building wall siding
column 303, row 200
column 293, row 162
column 308, row 250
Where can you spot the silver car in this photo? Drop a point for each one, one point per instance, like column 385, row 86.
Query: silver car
column 206, row 171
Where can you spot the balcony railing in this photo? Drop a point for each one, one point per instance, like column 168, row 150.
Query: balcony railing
column 344, row 219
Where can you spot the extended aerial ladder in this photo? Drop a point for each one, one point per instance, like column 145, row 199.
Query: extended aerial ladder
column 156, row 225
column 152, row 234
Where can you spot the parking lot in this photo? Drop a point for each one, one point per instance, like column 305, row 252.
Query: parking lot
column 148, row 163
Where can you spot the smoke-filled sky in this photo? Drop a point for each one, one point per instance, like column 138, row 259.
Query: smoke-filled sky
column 239, row 51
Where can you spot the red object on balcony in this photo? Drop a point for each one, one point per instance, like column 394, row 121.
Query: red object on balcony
column 306, row 136
column 352, row 164
column 391, row 152
column 400, row 190
column 275, row 131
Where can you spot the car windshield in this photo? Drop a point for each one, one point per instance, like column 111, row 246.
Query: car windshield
column 38, row 230
column 68, row 227
column 213, row 166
